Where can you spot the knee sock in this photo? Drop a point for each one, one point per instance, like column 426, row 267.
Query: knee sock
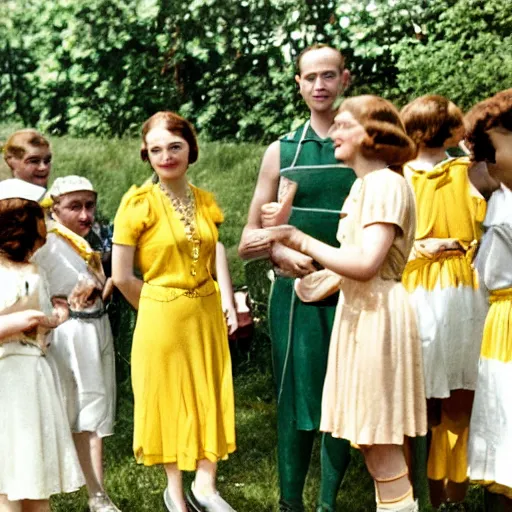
column 334, row 460
column 294, row 454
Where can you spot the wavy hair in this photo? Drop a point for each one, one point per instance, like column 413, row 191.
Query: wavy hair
column 386, row 138
column 431, row 120
column 490, row 113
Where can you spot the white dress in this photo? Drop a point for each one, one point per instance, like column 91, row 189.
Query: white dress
column 490, row 433
column 84, row 344
column 38, row 456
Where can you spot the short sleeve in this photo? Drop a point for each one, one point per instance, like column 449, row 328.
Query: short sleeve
column 387, row 199
column 134, row 216
column 213, row 209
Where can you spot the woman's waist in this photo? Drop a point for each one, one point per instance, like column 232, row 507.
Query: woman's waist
column 436, row 249
column 19, row 347
column 503, row 294
column 165, row 293
column 372, row 294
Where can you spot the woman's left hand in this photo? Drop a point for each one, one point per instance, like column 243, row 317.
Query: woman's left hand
column 231, row 319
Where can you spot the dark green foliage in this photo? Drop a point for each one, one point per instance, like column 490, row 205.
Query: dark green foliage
column 103, row 66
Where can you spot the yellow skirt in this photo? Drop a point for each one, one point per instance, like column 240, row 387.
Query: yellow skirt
column 182, row 382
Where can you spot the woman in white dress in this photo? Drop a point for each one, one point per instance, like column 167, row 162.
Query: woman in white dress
column 38, row 457
column 85, row 341
column 490, row 434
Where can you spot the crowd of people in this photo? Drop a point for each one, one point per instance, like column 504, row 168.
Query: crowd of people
column 390, row 311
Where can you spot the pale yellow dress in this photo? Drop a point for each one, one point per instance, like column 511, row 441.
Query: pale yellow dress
column 181, row 366
column 374, row 391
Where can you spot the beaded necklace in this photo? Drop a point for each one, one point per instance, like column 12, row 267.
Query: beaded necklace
column 186, row 211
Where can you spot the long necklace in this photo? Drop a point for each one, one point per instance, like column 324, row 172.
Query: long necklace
column 186, row 211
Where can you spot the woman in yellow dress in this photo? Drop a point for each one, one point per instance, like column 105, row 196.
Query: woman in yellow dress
column 181, row 366
column 450, row 305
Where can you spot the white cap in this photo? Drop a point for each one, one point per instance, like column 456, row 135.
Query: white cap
column 14, row 188
column 69, row 184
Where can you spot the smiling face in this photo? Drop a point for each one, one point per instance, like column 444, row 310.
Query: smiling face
column 348, row 135
column 168, row 154
column 322, row 79
column 76, row 211
column 33, row 166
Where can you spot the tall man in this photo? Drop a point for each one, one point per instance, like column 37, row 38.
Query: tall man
column 301, row 332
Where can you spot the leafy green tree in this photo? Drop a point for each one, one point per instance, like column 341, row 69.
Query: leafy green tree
column 463, row 51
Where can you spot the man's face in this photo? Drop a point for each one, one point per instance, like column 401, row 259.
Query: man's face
column 34, row 166
column 76, row 211
column 501, row 139
column 321, row 81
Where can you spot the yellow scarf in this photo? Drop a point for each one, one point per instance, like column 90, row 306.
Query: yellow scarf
column 81, row 246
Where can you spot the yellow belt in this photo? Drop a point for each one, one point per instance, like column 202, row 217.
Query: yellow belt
column 500, row 295
column 168, row 293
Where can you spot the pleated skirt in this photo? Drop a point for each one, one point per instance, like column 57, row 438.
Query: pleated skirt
column 374, row 390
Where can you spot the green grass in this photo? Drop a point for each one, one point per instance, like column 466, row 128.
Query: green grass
column 248, row 479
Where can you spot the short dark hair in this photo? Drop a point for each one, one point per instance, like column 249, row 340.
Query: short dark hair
column 490, row 113
column 318, row 46
column 431, row 119
column 176, row 124
column 19, row 231
column 386, row 138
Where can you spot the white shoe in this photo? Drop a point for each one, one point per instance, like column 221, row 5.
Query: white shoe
column 168, row 501
column 410, row 507
column 210, row 503
column 100, row 502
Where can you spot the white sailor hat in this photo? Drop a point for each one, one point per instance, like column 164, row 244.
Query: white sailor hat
column 14, row 188
column 68, row 184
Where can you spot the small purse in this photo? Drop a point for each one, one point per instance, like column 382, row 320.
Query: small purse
column 245, row 328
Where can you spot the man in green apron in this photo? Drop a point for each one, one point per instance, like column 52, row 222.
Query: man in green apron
column 301, row 332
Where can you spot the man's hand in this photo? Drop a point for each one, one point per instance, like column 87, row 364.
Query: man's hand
column 291, row 263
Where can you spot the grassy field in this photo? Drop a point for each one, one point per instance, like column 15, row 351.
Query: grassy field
column 248, row 479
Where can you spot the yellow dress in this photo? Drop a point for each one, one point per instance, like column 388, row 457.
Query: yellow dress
column 181, row 366
column 450, row 305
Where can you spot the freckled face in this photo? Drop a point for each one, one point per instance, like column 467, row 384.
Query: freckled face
column 168, row 154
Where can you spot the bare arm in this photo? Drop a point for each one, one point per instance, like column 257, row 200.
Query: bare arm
column 123, row 257
column 360, row 263
column 265, row 192
column 226, row 287
column 13, row 323
column 253, row 243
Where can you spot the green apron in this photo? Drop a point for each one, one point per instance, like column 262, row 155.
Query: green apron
column 301, row 332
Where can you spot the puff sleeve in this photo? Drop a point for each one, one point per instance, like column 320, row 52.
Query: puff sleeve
column 134, row 216
column 387, row 199
column 213, row 209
